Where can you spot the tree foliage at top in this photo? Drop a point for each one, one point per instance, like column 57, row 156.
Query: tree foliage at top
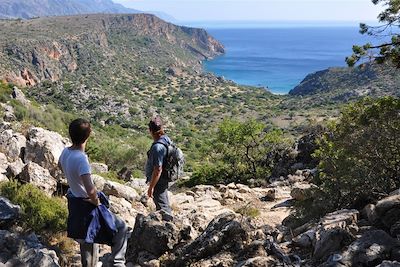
column 389, row 19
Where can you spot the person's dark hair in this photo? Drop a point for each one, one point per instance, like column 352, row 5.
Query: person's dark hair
column 156, row 126
column 79, row 131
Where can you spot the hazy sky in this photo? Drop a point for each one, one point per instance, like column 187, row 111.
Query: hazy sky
column 260, row 10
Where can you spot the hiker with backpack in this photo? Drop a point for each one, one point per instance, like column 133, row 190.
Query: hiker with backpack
column 164, row 163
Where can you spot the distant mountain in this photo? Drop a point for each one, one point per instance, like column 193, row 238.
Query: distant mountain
column 42, row 8
column 163, row 16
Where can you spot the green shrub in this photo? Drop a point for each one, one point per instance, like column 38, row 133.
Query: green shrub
column 239, row 153
column 40, row 213
column 5, row 92
column 360, row 158
column 248, row 211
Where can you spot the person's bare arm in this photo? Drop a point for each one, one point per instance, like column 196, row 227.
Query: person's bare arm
column 90, row 189
column 154, row 180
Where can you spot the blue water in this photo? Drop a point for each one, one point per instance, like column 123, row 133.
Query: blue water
column 280, row 58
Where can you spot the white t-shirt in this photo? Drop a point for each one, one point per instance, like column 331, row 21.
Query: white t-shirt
column 75, row 163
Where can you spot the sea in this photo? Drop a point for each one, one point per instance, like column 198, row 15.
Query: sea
column 279, row 56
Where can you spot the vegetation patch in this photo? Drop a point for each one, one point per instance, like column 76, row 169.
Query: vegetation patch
column 40, row 213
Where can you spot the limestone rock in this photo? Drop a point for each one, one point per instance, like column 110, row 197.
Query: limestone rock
column 371, row 249
column 12, row 144
column 123, row 209
column 40, row 177
column 8, row 212
column 224, row 233
column 119, row 190
column 17, row 250
column 138, row 184
column 387, row 204
column 3, row 167
column 155, row 236
column 15, row 168
column 44, row 148
column 98, row 167
column 18, row 95
column 334, row 232
column 98, row 181
column 389, row 264
column 8, row 113
column 259, row 262
column 370, row 213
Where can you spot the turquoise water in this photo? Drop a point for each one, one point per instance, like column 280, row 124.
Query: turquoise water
column 280, row 58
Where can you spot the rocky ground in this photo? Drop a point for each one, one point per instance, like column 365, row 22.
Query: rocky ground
column 223, row 225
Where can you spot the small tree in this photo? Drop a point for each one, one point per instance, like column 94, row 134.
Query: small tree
column 387, row 51
column 360, row 158
column 240, row 151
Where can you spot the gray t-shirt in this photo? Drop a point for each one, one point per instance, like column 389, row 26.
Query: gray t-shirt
column 156, row 156
column 74, row 164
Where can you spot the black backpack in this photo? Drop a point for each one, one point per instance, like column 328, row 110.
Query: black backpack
column 173, row 162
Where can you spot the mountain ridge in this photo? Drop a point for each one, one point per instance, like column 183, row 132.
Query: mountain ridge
column 26, row 9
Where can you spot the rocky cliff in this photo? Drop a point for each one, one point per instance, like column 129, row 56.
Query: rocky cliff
column 43, row 8
column 46, row 49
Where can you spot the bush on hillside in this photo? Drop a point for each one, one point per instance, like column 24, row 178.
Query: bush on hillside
column 240, row 152
column 360, row 158
column 40, row 213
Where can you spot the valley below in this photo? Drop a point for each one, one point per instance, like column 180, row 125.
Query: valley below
column 257, row 189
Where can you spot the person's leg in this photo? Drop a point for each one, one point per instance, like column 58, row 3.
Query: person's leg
column 160, row 197
column 89, row 254
column 120, row 241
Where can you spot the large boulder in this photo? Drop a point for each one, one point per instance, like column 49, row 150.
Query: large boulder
column 44, row 148
column 9, row 212
column 386, row 204
column 155, row 236
column 12, row 144
column 17, row 250
column 386, row 213
column 35, row 174
column 225, row 233
column 123, row 209
column 335, row 231
column 371, row 249
column 121, row 191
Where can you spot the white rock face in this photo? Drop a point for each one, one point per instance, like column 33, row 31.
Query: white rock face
column 18, row 95
column 12, row 144
column 121, row 191
column 15, row 168
column 98, row 167
column 98, row 181
column 3, row 167
column 123, row 209
column 40, row 177
column 44, row 148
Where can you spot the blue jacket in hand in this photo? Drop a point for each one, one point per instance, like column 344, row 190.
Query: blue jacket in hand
column 90, row 223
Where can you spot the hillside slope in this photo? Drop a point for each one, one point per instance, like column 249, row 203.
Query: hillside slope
column 345, row 84
column 41, row 8
column 121, row 69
